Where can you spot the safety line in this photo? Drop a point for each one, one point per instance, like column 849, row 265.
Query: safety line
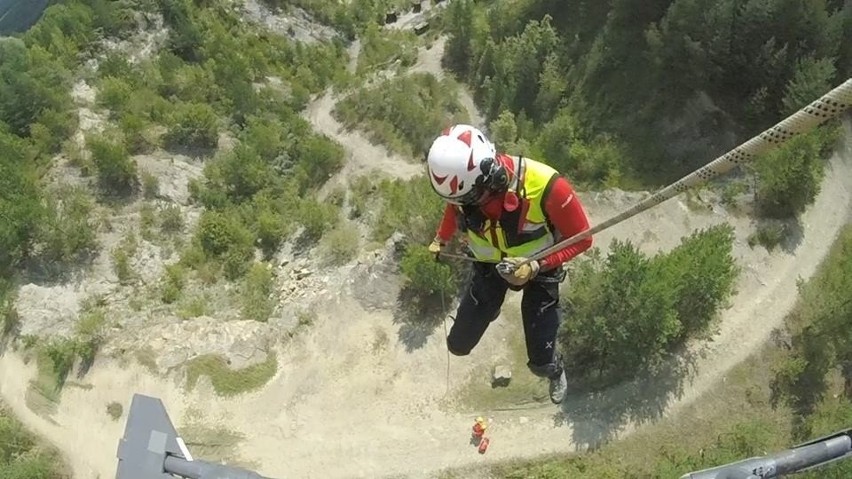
column 829, row 106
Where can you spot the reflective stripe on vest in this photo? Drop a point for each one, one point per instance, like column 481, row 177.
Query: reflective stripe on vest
column 525, row 231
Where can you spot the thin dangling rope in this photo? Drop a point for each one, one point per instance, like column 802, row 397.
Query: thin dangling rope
column 447, row 346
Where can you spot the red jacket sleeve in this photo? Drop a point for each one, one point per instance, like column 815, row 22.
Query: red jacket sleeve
column 448, row 225
column 566, row 213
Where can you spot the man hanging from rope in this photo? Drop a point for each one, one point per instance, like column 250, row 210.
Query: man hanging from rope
column 510, row 208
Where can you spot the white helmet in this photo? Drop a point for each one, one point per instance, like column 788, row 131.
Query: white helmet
column 459, row 162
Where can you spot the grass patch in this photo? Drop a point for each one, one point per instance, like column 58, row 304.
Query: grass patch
column 227, row 381
column 194, row 307
column 380, row 340
column 147, row 358
column 524, row 388
column 150, row 185
column 213, row 443
column 257, row 293
column 172, row 283
column 700, row 435
column 54, row 361
column 171, row 219
column 122, row 255
column 22, row 456
column 341, row 243
column 381, row 48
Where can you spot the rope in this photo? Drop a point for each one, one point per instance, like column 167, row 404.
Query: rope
column 829, row 106
column 444, row 311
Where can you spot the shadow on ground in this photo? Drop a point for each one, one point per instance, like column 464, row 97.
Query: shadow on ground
column 786, row 234
column 418, row 317
column 597, row 416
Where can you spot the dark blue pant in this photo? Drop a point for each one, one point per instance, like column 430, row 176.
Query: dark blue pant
column 481, row 305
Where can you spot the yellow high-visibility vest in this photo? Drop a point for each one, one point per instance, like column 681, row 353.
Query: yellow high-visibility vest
column 524, row 231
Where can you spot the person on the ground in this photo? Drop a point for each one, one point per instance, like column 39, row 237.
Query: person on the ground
column 509, row 208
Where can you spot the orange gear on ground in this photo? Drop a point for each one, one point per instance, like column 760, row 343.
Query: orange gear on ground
column 480, row 426
column 483, row 446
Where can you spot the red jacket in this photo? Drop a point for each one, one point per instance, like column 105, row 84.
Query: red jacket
column 563, row 208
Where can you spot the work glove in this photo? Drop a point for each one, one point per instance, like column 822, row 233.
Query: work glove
column 518, row 275
column 436, row 247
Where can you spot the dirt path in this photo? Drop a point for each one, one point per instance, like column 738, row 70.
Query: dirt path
column 351, row 400
column 429, row 61
column 362, row 157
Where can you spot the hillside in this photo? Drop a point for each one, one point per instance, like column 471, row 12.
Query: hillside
column 294, row 350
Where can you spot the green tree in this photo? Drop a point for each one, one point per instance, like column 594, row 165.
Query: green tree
column 460, row 25
column 620, row 319
column 33, row 89
column 626, row 312
column 318, row 157
column 813, row 79
column 821, row 340
column 789, row 178
column 20, row 200
column 702, row 271
column 239, row 174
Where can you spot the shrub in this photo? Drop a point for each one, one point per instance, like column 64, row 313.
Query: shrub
column 341, row 243
column 627, row 312
column 137, row 134
column 408, row 207
column 121, row 265
column 220, row 232
column 257, row 291
column 403, row 113
column 317, row 217
column 171, row 219
column 224, row 238
column 702, row 272
column 192, row 125
column 114, row 93
column 66, row 232
column 115, row 410
column 425, row 276
column 789, row 178
column 768, row 235
column 173, row 282
column 116, row 170
column 150, row 186
column 147, row 220
column 619, row 315
column 319, row 158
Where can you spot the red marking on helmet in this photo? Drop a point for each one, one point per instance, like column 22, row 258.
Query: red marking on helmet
column 465, row 137
column 454, row 185
column 439, row 179
column 470, row 165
